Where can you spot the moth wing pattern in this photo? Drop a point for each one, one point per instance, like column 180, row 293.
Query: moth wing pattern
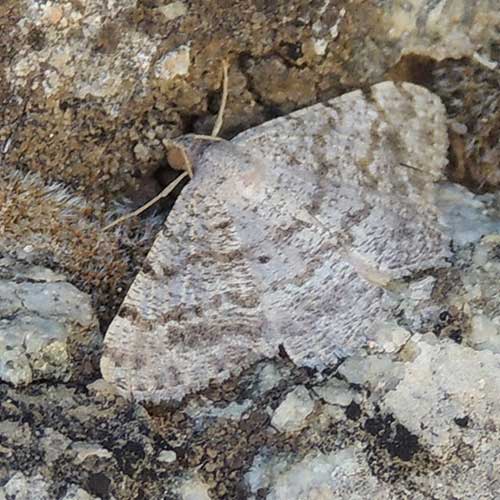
column 285, row 237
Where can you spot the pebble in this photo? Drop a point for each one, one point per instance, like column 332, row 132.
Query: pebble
column 43, row 319
column 335, row 392
column 174, row 63
column 292, row 413
column 173, row 10
column 167, row 456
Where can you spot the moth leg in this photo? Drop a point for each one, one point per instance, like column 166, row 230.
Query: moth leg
column 165, row 192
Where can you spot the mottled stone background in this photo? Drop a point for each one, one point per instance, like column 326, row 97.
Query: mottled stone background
column 89, row 89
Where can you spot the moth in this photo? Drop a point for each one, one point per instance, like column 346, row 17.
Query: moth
column 287, row 237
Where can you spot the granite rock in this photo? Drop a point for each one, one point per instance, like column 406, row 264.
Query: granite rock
column 445, row 385
column 341, row 475
column 86, row 82
column 48, row 328
column 59, row 442
column 335, row 392
column 22, row 487
column 291, row 414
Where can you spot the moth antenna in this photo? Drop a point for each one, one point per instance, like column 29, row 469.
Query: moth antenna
column 413, row 168
column 182, row 149
column 205, row 137
column 225, row 89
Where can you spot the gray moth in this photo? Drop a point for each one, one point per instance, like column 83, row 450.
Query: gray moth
column 289, row 235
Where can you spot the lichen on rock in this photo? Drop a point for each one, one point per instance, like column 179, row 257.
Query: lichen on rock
column 49, row 330
column 89, row 94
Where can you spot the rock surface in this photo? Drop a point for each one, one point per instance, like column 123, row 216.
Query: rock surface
column 444, row 387
column 51, row 225
column 90, row 89
column 62, row 443
column 292, row 413
column 89, row 92
column 343, row 475
column 299, row 225
column 48, row 327
column 88, row 443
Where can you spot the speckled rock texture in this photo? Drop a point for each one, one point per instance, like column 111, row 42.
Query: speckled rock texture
column 356, row 429
column 48, row 328
column 288, row 236
column 89, row 90
column 61, row 442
